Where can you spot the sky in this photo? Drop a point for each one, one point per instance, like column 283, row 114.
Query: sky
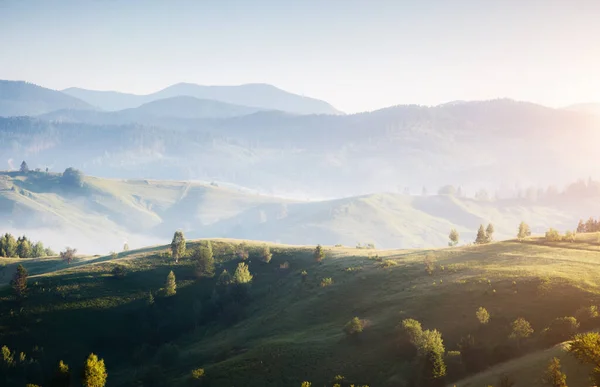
column 357, row 55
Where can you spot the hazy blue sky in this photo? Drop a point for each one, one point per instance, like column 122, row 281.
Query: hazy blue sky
column 358, row 55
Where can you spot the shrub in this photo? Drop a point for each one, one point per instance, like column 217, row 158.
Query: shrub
column 482, row 315
column 326, row 282
column 553, row 235
column 429, row 264
column 353, row 327
column 569, row 236
column 388, row 263
column 198, row 373
column 284, row 266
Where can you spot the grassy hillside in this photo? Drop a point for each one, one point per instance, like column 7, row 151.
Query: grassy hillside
column 290, row 330
column 106, row 213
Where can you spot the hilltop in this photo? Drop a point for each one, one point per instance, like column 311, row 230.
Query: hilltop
column 290, row 329
column 105, row 213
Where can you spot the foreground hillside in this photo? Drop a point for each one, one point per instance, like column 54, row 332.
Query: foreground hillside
column 105, row 213
column 288, row 327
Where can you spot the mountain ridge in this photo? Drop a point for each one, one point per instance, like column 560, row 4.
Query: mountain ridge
column 256, row 95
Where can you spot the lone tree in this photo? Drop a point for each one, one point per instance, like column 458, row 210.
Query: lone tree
column 319, row 254
column 520, row 330
column 242, row 274
column 205, row 261
column 171, row 285
column 68, row 254
column 489, row 232
column 72, row 178
column 353, row 327
column 266, row 254
column 19, row 281
column 481, row 236
column 553, row 376
column 454, row 236
column 178, row 245
column 524, row 231
column 94, row 373
column 482, row 315
column 126, row 247
column 24, row 167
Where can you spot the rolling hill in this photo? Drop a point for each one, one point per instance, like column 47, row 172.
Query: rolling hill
column 258, row 96
column 19, row 98
column 106, row 213
column 290, row 329
column 490, row 144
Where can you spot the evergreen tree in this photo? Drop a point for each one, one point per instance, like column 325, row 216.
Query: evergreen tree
column 581, row 227
column 150, row 299
column 524, row 231
column 489, row 232
column 126, row 247
column 481, row 236
column 171, row 284
column 8, row 246
column 19, row 281
column 242, row 274
column 554, row 377
column 178, row 245
column 454, row 237
column 24, row 249
column 24, row 167
column 205, row 262
column 38, row 250
column 94, row 374
column 319, row 254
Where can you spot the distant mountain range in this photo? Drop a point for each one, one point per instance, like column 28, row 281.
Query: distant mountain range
column 25, row 99
column 259, row 96
column 183, row 100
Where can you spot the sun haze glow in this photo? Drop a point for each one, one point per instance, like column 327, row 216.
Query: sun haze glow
column 358, row 55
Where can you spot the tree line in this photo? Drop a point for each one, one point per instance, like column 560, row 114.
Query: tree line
column 22, row 247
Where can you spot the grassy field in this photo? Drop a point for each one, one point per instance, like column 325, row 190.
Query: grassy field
column 291, row 330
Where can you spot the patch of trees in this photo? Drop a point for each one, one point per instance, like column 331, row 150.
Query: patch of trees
column 484, row 235
column 21, row 369
column 22, row 247
column 591, row 225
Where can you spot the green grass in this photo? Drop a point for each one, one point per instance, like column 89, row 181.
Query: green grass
column 292, row 330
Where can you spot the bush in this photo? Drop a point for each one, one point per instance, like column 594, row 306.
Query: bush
column 198, row 373
column 326, row 282
column 304, row 275
column 388, row 263
column 319, row 254
column 353, row 327
column 569, row 236
column 553, row 235
column 482, row 315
